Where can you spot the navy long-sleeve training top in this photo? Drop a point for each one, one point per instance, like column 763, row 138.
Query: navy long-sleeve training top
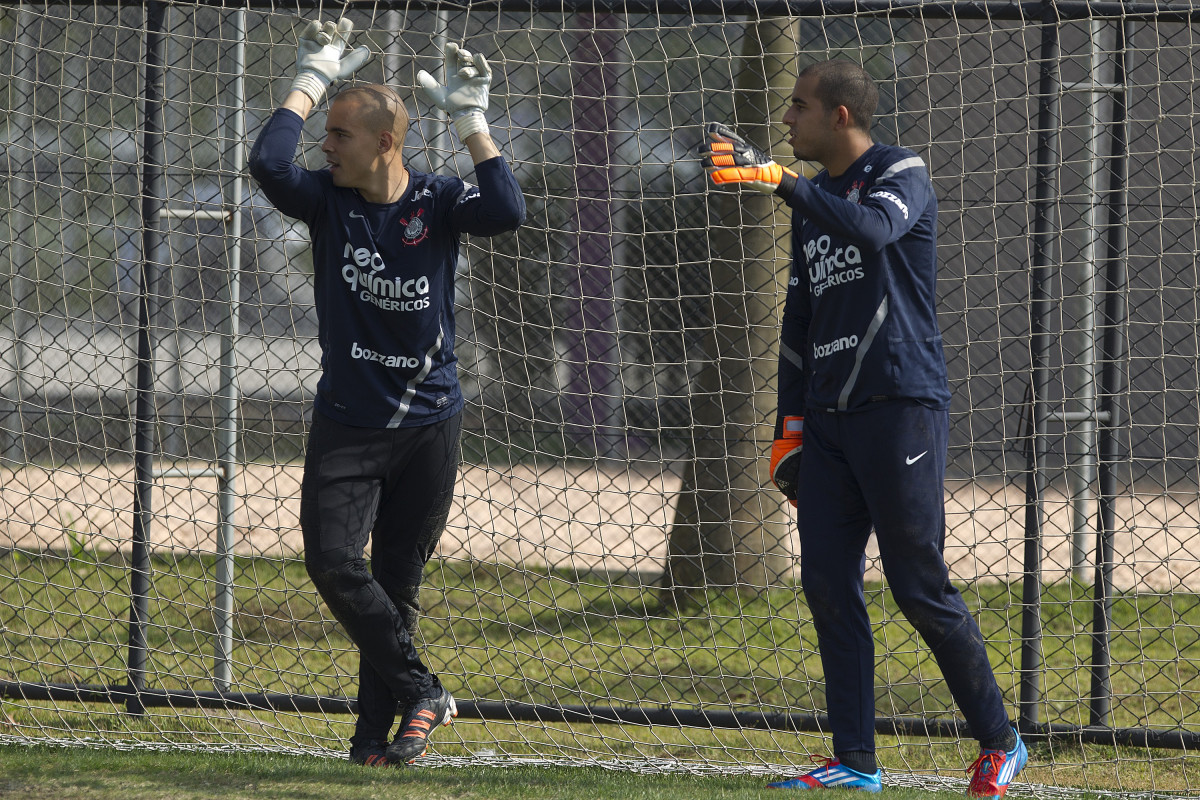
column 860, row 319
column 384, row 278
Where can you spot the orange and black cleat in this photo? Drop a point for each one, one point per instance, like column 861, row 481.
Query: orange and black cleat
column 371, row 753
column 419, row 721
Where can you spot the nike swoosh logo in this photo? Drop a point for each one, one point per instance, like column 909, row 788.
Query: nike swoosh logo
column 356, row 215
column 914, row 459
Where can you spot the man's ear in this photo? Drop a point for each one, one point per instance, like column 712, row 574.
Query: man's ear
column 386, row 142
column 843, row 118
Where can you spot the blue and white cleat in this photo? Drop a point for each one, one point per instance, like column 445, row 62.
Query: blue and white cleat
column 994, row 770
column 832, row 775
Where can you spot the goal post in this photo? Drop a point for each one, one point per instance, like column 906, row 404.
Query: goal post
column 158, row 357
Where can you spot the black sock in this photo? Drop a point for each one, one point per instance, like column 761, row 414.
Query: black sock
column 859, row 760
column 1004, row 741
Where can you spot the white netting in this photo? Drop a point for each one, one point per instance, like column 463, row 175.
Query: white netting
column 618, row 356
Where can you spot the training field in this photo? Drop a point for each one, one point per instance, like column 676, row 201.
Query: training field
column 113, row 775
column 562, row 628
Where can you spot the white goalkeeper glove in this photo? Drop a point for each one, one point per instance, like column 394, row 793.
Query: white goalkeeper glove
column 464, row 98
column 730, row 159
column 322, row 58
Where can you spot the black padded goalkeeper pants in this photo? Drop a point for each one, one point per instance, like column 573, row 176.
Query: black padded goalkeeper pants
column 392, row 488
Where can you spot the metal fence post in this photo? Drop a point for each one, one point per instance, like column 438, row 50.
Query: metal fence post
column 1111, row 382
column 144, row 412
column 1041, row 306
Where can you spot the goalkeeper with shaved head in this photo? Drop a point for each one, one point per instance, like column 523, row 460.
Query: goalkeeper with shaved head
column 862, row 425
column 383, row 446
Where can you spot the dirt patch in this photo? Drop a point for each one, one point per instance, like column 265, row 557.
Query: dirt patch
column 571, row 517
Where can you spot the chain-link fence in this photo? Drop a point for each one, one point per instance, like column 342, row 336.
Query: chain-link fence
column 618, row 356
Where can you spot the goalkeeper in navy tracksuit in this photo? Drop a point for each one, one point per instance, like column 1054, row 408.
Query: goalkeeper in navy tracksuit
column 383, row 447
column 862, row 386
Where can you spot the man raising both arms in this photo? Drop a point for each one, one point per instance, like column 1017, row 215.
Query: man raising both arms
column 863, row 388
column 383, row 447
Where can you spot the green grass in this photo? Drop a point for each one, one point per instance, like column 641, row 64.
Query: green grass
column 42, row 773
column 558, row 637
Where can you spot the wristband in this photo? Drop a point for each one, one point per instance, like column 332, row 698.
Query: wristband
column 312, row 84
column 469, row 123
column 787, row 184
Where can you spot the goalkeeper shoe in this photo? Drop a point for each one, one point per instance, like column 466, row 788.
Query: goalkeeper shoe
column 372, row 753
column 833, row 775
column 994, row 770
column 419, row 721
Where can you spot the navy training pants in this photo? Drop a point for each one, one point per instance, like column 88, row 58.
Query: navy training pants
column 393, row 487
column 884, row 468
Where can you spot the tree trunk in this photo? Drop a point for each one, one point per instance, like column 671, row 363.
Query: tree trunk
column 730, row 527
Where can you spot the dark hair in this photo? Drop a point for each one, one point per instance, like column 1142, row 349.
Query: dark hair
column 844, row 83
column 382, row 108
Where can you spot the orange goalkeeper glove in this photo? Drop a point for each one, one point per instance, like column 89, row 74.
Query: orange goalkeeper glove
column 785, row 457
column 729, row 158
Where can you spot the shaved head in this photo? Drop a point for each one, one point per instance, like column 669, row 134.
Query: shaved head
column 844, row 83
column 379, row 109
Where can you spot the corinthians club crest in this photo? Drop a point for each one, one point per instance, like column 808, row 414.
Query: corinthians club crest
column 855, row 189
column 415, row 229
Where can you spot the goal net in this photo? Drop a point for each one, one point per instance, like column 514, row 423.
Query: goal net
column 618, row 580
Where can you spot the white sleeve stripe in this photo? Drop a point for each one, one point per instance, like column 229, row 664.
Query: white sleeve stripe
column 900, row 166
column 791, row 355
